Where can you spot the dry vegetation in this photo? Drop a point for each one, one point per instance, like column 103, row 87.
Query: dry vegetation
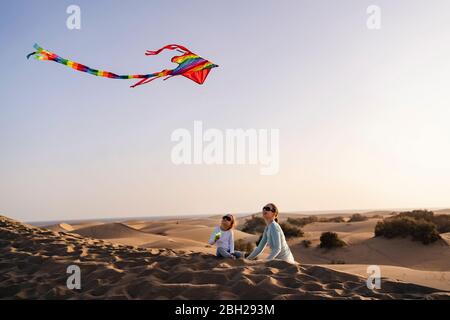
column 330, row 240
column 420, row 225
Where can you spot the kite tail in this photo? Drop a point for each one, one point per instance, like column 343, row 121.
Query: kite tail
column 164, row 73
column 144, row 81
column 42, row 54
column 168, row 47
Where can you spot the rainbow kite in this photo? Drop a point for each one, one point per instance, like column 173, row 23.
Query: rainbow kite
column 190, row 65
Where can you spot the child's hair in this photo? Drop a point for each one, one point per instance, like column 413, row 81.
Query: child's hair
column 275, row 210
column 233, row 221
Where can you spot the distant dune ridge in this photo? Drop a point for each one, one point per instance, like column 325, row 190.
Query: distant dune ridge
column 33, row 264
column 60, row 227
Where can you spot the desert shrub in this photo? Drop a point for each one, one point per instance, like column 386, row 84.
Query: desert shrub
column 334, row 219
column 357, row 217
column 403, row 225
column 330, row 240
column 425, row 231
column 418, row 214
column 394, row 227
column 291, row 231
column 442, row 222
column 301, row 222
column 254, row 225
column 306, row 243
column 244, row 246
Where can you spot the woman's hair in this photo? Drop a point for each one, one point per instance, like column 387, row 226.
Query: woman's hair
column 233, row 221
column 275, row 210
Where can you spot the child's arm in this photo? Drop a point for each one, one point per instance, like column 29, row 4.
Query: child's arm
column 212, row 239
column 260, row 247
column 232, row 241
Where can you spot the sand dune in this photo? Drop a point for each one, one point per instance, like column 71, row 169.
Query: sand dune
column 124, row 234
column 34, row 261
column 435, row 279
column 165, row 228
column 363, row 248
column 194, row 232
column 209, row 222
column 203, row 234
column 186, row 229
column 353, row 227
column 442, row 211
column 60, row 227
column 446, row 237
column 109, row 231
column 85, row 224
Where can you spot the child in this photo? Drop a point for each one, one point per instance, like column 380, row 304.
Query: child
column 223, row 238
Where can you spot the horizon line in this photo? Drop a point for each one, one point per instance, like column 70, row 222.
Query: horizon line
column 193, row 215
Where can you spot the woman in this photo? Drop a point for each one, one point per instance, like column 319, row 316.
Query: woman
column 273, row 236
column 223, row 237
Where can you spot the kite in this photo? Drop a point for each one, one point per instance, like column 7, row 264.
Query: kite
column 190, row 65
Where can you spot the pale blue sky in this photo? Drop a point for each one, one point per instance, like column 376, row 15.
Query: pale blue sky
column 363, row 115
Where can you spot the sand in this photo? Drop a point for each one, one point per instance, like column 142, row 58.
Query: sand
column 364, row 248
column 435, row 279
column 122, row 233
column 60, row 227
column 33, row 263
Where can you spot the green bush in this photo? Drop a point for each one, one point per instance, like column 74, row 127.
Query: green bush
column 357, row 217
column 301, row 222
column 418, row 214
column 330, row 240
column 291, row 231
column 306, row 243
column 254, row 225
column 244, row 246
column 442, row 222
column 404, row 225
column 334, row 219
column 426, row 232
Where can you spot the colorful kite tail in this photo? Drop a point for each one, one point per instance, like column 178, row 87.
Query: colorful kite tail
column 42, row 54
column 168, row 47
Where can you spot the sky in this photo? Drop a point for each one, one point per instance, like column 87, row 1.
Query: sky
column 363, row 115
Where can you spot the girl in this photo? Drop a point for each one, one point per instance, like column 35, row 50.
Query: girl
column 223, row 238
column 273, row 236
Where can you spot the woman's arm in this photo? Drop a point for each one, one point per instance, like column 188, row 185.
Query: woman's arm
column 260, row 247
column 276, row 241
column 212, row 239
